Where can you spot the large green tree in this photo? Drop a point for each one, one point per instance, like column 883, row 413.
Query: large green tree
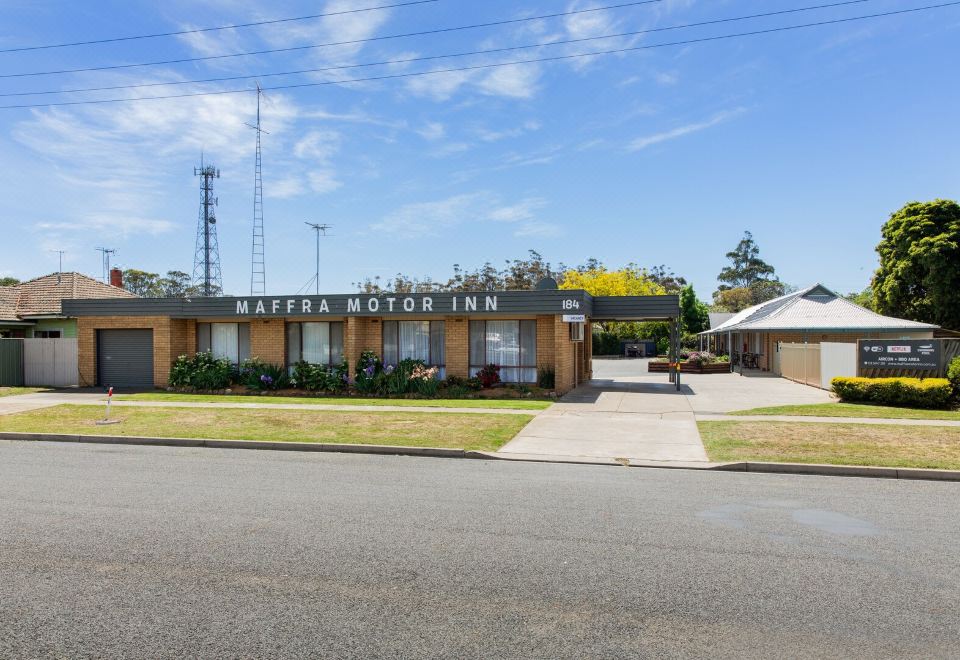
column 9, row 281
column 693, row 313
column 748, row 280
column 919, row 273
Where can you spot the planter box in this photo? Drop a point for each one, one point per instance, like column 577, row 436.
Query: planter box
column 664, row 367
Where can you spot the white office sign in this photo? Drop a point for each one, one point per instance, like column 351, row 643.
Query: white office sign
column 574, row 318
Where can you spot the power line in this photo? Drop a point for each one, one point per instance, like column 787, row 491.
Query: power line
column 335, row 43
column 439, row 57
column 554, row 58
column 212, row 29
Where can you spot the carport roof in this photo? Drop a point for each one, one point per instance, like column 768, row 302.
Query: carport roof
column 815, row 308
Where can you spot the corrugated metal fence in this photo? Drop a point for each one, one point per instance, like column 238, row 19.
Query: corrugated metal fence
column 50, row 362
column 11, row 362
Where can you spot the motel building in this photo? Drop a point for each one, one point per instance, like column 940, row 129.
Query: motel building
column 132, row 343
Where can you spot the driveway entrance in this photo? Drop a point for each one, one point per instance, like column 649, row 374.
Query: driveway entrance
column 627, row 413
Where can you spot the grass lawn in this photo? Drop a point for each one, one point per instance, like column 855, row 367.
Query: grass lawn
column 14, row 391
column 886, row 445
column 466, row 431
column 853, row 410
column 511, row 404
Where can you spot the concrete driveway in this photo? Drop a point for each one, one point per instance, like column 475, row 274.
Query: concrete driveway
column 627, row 413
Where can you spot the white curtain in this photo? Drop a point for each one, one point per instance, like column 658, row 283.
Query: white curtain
column 225, row 341
column 316, row 342
column 415, row 340
column 503, row 348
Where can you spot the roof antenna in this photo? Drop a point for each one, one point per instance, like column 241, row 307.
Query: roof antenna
column 60, row 268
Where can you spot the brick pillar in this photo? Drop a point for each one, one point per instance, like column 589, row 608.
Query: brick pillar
column 361, row 334
column 563, row 355
column 191, row 339
column 588, row 351
column 267, row 340
column 163, row 351
column 456, row 341
column 86, row 352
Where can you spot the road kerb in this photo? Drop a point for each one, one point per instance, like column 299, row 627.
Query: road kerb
column 443, row 452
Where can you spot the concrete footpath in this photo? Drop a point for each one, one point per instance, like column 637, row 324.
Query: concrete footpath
column 802, row 419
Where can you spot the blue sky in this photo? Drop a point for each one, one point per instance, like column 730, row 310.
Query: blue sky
column 809, row 139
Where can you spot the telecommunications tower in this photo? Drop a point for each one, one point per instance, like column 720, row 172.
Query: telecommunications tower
column 206, row 261
column 258, row 275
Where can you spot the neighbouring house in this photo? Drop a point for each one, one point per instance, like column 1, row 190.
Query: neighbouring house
column 33, row 309
column 809, row 316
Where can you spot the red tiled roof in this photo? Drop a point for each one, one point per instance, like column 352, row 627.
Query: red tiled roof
column 43, row 295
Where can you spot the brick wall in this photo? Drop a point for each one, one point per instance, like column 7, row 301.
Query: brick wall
column 361, row 334
column 456, row 339
column 564, row 356
column 268, row 340
column 169, row 341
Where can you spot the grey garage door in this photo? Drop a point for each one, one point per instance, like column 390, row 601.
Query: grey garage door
column 125, row 358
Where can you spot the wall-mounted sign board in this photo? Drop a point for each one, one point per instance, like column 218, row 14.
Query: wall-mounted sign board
column 899, row 353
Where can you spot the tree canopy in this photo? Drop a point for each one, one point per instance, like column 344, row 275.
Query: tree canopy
column 176, row 284
column 694, row 315
column 631, row 280
column 9, row 281
column 919, row 273
column 748, row 280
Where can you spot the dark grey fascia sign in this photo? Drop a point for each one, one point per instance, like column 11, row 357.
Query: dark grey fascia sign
column 410, row 305
column 899, row 353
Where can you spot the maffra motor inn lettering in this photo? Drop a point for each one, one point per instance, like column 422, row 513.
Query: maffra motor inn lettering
column 359, row 305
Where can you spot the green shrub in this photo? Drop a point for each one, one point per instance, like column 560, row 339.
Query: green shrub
column 907, row 392
column 319, row 377
column 547, row 379
column 202, row 371
column 457, row 392
column 255, row 374
column 424, row 380
column 953, row 373
column 369, row 373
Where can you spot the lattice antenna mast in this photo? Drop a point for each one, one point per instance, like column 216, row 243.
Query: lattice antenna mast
column 105, row 254
column 206, row 261
column 258, row 270
column 318, row 228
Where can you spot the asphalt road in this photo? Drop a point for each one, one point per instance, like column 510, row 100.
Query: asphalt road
column 164, row 552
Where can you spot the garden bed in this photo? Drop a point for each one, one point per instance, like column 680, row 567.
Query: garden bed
column 686, row 367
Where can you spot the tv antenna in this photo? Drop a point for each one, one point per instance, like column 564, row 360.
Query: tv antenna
column 106, row 252
column 318, row 229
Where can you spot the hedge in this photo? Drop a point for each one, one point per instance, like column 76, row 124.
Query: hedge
column 953, row 373
column 907, row 392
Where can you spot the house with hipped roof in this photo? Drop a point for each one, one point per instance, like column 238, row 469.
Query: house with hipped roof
column 34, row 309
column 808, row 316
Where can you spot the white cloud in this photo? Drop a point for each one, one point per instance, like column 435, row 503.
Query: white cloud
column 517, row 81
column 432, row 131
column 284, row 188
column 523, row 210
column 323, row 181
column 488, row 135
column 318, row 145
column 657, row 138
column 538, row 230
column 431, row 218
column 427, row 218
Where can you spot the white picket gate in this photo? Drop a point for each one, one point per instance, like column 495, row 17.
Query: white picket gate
column 50, row 362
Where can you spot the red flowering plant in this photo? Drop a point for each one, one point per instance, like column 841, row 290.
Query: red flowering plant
column 489, row 375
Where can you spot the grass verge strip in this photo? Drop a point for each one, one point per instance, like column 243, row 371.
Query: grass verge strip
column 853, row 410
column 881, row 445
column 455, row 431
column 501, row 404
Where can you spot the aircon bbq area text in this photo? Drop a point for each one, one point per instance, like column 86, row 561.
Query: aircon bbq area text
column 133, row 342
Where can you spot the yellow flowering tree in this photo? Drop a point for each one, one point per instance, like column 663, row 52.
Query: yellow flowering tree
column 630, row 280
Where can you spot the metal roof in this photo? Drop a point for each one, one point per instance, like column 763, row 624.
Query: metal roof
column 716, row 318
column 815, row 308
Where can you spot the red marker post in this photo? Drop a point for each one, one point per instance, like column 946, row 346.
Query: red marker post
column 106, row 419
